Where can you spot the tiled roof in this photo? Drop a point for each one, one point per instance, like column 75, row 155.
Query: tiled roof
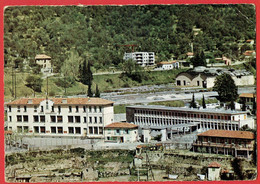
column 228, row 134
column 189, row 53
column 247, row 95
column 42, row 56
column 166, row 62
column 214, row 164
column 76, row 101
column 121, row 125
column 248, row 52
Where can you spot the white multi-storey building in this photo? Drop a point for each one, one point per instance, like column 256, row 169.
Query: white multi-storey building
column 60, row 116
column 141, row 58
column 179, row 119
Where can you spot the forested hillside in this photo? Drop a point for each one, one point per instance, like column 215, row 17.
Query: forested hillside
column 96, row 33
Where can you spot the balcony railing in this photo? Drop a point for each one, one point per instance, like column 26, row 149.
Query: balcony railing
column 224, row 145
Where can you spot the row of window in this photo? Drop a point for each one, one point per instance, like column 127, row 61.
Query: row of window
column 182, row 114
column 58, row 119
column 70, row 108
column 60, row 130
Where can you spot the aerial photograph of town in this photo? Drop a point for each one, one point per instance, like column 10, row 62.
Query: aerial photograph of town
column 130, row 93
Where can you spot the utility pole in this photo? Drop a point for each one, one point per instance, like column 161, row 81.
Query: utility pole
column 14, row 84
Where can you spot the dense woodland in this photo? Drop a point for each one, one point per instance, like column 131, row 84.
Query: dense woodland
column 96, row 33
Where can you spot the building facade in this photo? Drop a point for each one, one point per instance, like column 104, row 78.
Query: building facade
column 179, row 119
column 168, row 65
column 142, row 58
column 60, row 116
column 45, row 62
column 121, row 132
column 205, row 77
column 236, row 143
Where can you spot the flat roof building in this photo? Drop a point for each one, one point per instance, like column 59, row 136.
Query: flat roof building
column 179, row 119
column 60, row 116
column 142, row 58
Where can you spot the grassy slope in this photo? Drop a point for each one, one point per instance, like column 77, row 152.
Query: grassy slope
column 105, row 83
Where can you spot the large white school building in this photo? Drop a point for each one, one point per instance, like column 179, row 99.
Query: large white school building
column 60, row 116
column 179, row 119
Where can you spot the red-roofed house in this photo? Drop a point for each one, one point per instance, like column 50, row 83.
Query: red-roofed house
column 168, row 65
column 60, row 116
column 214, row 171
column 227, row 142
column 121, row 132
column 249, row 53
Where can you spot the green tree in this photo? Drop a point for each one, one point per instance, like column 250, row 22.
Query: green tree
column 193, row 103
column 199, row 59
column 65, row 82
column 226, row 88
column 203, row 102
column 97, row 94
column 238, row 168
column 34, row 82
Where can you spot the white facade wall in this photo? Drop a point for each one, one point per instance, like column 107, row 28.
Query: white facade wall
column 141, row 58
column 163, row 118
column 213, row 174
column 125, row 135
column 66, row 120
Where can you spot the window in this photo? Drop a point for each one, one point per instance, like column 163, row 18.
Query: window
column 35, row 118
column 10, row 108
column 53, row 130
column 117, row 131
column 25, row 118
column 10, row 118
column 47, row 105
column 178, row 82
column 42, row 118
column 77, row 130
column 84, row 108
column 95, row 130
column 25, row 108
column 127, row 131
column 53, row 119
column 25, row 129
column 18, row 108
column 60, row 130
column 41, row 108
column 85, row 120
column 71, row 130
column 59, row 109
column 36, row 129
column 100, row 130
column 100, row 120
column 70, row 119
column 95, row 120
column 42, row 129
column 89, row 109
column 59, row 119
column 77, row 108
column 70, row 109
column 198, row 83
column 100, row 109
column 19, row 129
column 184, row 83
column 95, row 109
column 19, row 118
column 35, row 108
column 77, row 119
column 52, row 108
column 90, row 130
column 90, row 119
